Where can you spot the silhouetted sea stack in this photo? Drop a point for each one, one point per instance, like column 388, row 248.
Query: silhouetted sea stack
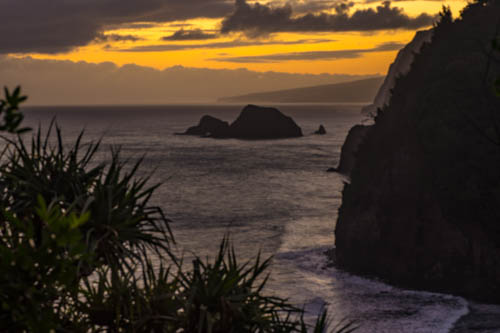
column 209, row 126
column 257, row 122
column 422, row 209
column 321, row 130
column 254, row 122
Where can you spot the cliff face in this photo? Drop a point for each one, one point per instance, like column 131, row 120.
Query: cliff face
column 423, row 206
column 400, row 66
column 350, row 148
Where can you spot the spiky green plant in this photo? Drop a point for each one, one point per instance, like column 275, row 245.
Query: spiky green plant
column 9, row 110
column 39, row 283
column 225, row 296
column 211, row 297
column 123, row 225
column 119, row 300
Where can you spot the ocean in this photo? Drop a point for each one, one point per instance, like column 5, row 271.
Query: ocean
column 273, row 196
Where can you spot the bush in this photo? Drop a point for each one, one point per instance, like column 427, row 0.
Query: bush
column 9, row 107
column 122, row 225
column 39, row 282
column 220, row 296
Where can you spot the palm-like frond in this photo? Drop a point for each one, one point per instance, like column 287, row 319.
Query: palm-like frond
column 123, row 225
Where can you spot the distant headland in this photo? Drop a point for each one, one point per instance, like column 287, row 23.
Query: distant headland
column 359, row 91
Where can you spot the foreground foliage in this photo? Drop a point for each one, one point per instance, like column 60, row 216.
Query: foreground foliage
column 122, row 226
column 218, row 296
column 38, row 280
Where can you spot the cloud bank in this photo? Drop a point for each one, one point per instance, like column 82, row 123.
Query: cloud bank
column 51, row 82
column 257, row 20
column 57, row 26
column 102, row 38
column 195, row 34
column 219, row 45
column 312, row 55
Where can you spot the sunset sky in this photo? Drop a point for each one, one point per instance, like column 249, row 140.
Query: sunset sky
column 294, row 36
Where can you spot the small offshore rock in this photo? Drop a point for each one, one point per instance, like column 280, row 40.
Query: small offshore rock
column 321, row 130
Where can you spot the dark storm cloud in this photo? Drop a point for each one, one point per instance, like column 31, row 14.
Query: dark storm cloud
column 257, row 19
column 218, row 45
column 57, row 26
column 196, row 34
column 60, row 25
column 313, row 55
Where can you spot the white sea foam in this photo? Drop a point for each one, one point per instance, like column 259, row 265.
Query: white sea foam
column 378, row 307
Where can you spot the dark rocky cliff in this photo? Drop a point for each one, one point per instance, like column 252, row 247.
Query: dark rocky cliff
column 350, row 148
column 400, row 66
column 209, row 126
column 422, row 209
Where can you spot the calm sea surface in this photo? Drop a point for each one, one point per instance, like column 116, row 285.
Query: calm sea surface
column 272, row 195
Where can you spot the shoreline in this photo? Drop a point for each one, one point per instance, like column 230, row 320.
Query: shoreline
column 479, row 318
